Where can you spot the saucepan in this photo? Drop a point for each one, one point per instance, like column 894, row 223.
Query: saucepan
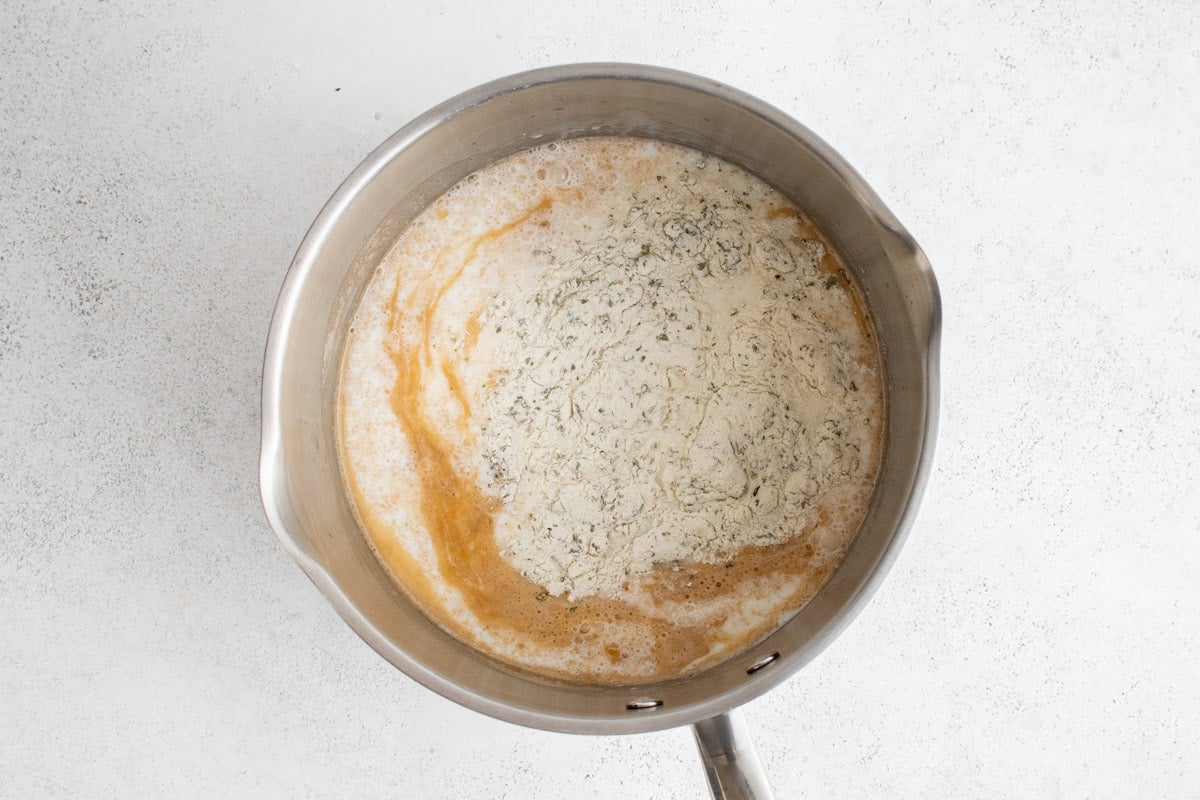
column 301, row 486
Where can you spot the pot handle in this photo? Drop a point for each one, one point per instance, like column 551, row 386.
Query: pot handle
column 730, row 763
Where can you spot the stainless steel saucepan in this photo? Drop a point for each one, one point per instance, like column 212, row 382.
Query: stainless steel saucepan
column 301, row 487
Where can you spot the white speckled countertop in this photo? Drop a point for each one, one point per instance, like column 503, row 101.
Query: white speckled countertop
column 159, row 162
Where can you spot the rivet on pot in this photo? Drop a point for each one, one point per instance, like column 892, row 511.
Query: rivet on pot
column 762, row 662
column 642, row 705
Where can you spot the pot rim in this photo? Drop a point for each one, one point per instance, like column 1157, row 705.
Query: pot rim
column 272, row 470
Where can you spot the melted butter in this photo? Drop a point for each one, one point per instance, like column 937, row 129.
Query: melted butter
column 459, row 517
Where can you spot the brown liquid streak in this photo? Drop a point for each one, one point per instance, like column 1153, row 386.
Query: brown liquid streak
column 474, row 328
column 389, row 550
column 460, row 522
column 456, row 389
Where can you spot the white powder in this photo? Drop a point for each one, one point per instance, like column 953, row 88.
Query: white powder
column 681, row 379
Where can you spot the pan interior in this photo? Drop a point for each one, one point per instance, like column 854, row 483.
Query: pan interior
column 301, row 481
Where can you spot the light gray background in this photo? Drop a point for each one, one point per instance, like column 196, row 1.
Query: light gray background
column 159, row 162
